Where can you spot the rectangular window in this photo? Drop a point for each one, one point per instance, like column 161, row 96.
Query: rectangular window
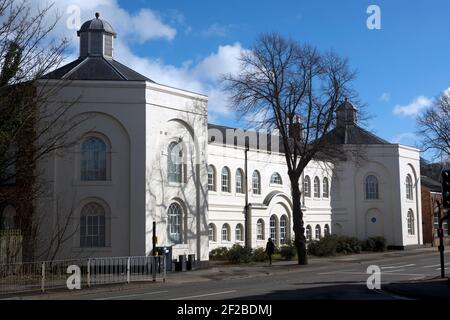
column 259, row 232
column 211, row 181
column 225, row 183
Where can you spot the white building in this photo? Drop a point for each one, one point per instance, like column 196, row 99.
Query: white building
column 143, row 156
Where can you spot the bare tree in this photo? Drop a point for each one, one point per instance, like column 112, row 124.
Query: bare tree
column 294, row 89
column 434, row 128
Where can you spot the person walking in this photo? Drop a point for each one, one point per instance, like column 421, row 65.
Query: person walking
column 270, row 249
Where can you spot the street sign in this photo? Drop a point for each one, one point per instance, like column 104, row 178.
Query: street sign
column 440, row 232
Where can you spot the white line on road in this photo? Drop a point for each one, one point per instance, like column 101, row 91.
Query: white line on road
column 204, row 295
column 133, row 295
column 436, row 265
column 393, row 267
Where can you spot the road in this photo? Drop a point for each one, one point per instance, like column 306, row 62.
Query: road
column 338, row 278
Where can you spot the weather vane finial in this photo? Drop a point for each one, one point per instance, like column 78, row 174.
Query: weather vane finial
column 97, row 15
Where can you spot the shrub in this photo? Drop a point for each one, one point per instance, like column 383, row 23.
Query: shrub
column 375, row 244
column 239, row 254
column 323, row 247
column 347, row 245
column 288, row 251
column 219, row 254
column 259, row 255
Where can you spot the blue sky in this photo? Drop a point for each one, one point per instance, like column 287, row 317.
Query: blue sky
column 401, row 67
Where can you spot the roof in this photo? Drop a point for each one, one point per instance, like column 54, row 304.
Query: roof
column 96, row 68
column 96, row 25
column 353, row 134
column 431, row 184
column 346, row 105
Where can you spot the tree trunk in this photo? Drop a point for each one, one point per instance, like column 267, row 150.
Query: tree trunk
column 297, row 217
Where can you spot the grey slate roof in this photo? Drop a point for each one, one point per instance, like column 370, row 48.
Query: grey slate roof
column 96, row 68
column 431, row 184
column 97, row 25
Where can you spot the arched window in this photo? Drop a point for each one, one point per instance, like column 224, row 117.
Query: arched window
column 371, row 187
column 326, row 230
column 92, row 225
column 273, row 228
column 212, row 232
column 8, row 218
column 175, row 216
column 410, row 218
column 239, row 181
column 93, row 159
column 316, row 187
column 226, row 180
column 175, row 163
column 226, row 232
column 308, row 233
column 326, row 188
column 256, row 182
column 307, row 187
column 260, row 229
column 318, row 232
column 283, row 229
column 211, row 178
column 409, row 188
column 276, row 178
column 239, row 232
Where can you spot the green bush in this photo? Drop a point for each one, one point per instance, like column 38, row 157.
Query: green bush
column 288, row 251
column 259, row 255
column 239, row 254
column 323, row 247
column 375, row 244
column 219, row 254
column 348, row 245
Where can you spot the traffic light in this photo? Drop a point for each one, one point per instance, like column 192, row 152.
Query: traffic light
column 446, row 189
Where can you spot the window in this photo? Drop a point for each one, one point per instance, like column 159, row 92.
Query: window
column 239, row 181
column 93, row 159
column 225, row 180
column 410, row 219
column 409, row 188
column 211, row 178
column 273, row 228
column 326, row 188
column 283, row 229
column 260, row 230
column 318, row 232
column 8, row 218
column 239, row 232
column 92, row 225
column 326, row 230
column 436, row 221
column 256, row 182
column 212, row 232
column 307, row 187
column 276, row 178
column 225, row 232
column 174, row 214
column 371, row 187
column 308, row 233
column 175, row 163
column 316, row 187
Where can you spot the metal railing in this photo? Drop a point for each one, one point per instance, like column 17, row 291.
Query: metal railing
column 47, row 275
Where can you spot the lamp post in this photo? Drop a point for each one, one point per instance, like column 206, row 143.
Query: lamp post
column 248, row 218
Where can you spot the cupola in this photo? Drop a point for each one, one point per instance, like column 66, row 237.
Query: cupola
column 346, row 114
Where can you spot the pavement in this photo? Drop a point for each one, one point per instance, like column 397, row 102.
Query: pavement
column 410, row 274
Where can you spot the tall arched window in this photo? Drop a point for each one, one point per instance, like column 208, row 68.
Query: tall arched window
column 318, row 232
column 239, row 232
column 283, row 229
column 175, row 217
column 326, row 230
column 371, row 187
column 256, row 182
column 308, row 233
column 307, row 187
column 276, row 178
column 226, row 180
column 8, row 218
column 316, row 187
column 93, row 159
column 273, row 228
column 326, row 188
column 211, row 178
column 410, row 218
column 409, row 188
column 260, row 229
column 212, row 232
column 175, row 163
column 92, row 225
column 239, row 181
column 226, row 232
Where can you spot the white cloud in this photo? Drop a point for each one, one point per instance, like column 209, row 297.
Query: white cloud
column 385, row 97
column 413, row 108
column 216, row 30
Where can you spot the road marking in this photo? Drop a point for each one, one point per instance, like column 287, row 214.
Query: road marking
column 403, row 266
column 204, row 295
column 132, row 295
column 444, row 268
column 436, row 265
column 392, row 271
